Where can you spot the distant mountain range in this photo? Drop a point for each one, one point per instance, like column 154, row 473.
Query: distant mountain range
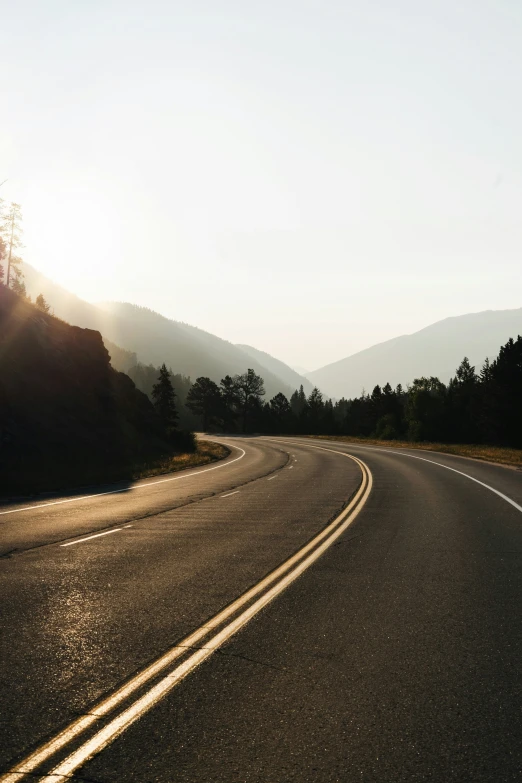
column 134, row 333
column 436, row 350
column 153, row 339
column 292, row 378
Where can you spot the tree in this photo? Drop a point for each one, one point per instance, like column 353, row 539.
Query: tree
column 280, row 413
column 42, row 304
column 10, row 231
column 164, row 399
column 204, row 399
column 230, row 400
column 250, row 388
column 3, row 255
column 426, row 409
column 314, row 411
column 463, row 402
column 17, row 283
column 298, row 401
column 505, row 392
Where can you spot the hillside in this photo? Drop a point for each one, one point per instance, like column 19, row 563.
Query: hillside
column 436, row 350
column 278, row 368
column 66, row 416
column 152, row 337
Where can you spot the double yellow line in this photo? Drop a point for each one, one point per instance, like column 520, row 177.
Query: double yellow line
column 227, row 623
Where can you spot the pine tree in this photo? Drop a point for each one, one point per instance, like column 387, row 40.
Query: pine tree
column 485, row 373
column 250, row 388
column 298, row 401
column 314, row 411
column 280, row 413
column 10, row 232
column 204, row 399
column 164, row 399
column 42, row 304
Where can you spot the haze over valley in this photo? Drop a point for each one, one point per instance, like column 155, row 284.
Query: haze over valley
column 261, row 391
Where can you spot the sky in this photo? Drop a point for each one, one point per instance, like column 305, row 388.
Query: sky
column 306, row 177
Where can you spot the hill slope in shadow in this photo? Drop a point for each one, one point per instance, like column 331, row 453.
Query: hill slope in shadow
column 66, row 416
column 152, row 337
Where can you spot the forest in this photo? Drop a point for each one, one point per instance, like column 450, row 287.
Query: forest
column 483, row 407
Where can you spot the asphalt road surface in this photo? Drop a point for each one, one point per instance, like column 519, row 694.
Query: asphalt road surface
column 302, row 611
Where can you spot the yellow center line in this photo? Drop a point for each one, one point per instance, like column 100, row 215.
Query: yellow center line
column 283, row 576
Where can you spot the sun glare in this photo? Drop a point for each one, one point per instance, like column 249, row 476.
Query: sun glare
column 72, row 234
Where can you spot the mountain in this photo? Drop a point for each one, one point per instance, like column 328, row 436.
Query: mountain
column 436, row 350
column 278, row 368
column 300, row 370
column 66, row 416
column 152, row 337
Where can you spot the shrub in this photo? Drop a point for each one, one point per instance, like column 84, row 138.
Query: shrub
column 185, row 441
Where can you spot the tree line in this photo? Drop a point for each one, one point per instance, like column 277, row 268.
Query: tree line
column 474, row 407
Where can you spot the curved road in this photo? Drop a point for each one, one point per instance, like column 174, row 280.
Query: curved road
column 389, row 647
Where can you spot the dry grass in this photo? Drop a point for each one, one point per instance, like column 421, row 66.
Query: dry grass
column 502, row 456
column 206, row 452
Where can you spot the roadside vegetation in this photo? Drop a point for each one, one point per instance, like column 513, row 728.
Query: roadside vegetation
column 498, row 454
column 206, row 452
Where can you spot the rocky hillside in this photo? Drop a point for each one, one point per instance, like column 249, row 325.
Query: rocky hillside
column 66, row 416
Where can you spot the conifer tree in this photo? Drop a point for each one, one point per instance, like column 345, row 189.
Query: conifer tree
column 280, row 413
column 42, row 304
column 229, row 401
column 164, row 399
column 250, row 388
column 10, row 232
column 298, row 401
column 204, row 399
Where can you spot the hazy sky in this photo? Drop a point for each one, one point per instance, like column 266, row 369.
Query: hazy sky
column 306, row 177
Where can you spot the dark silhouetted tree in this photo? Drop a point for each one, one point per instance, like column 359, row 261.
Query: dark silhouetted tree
column 298, row 402
column 280, row 414
column 204, row 399
column 313, row 413
column 229, row 401
column 505, row 393
column 164, row 399
column 463, row 420
column 250, row 388
column 426, row 409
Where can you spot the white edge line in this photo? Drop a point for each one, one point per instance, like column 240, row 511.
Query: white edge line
column 96, row 535
column 422, row 459
column 453, row 470
column 118, row 725
column 128, row 489
column 29, row 764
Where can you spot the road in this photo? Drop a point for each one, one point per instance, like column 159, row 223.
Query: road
column 302, row 611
